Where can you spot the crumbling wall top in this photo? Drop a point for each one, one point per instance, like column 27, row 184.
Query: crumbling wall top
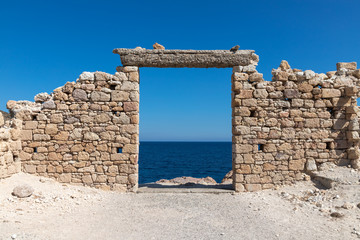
column 186, row 58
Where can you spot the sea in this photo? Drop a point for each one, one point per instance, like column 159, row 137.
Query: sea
column 167, row 160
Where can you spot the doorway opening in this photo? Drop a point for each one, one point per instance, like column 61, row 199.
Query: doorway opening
column 185, row 127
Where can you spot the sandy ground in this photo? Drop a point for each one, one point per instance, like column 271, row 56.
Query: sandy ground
column 58, row 211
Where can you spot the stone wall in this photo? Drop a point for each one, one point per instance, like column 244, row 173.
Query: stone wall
column 86, row 132
column 10, row 147
column 292, row 124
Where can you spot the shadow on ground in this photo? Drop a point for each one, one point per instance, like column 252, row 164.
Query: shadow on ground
column 185, row 188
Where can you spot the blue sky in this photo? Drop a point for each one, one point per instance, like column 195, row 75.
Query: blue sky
column 44, row 44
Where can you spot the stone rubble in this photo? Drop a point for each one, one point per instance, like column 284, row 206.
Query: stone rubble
column 188, row 181
column 23, row 191
column 158, row 46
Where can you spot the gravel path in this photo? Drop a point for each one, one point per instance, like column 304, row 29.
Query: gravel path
column 57, row 211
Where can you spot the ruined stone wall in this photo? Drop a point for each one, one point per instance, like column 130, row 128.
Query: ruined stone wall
column 86, row 132
column 10, row 147
column 292, row 124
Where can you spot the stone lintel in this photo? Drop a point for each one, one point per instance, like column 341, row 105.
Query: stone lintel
column 185, row 58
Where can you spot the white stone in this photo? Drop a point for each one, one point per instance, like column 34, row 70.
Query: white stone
column 311, row 165
column 23, row 191
column 309, row 74
column 129, row 86
column 87, row 76
column 42, row 97
column 121, row 76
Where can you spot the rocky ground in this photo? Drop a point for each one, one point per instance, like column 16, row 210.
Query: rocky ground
column 301, row 211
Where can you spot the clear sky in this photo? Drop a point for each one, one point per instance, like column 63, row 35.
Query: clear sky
column 44, row 44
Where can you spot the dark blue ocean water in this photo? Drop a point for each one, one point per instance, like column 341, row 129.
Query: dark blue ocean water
column 166, row 160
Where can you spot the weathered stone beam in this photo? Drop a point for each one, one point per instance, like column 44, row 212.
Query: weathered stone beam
column 185, row 58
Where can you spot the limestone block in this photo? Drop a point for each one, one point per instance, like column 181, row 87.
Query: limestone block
column 353, row 153
column 128, row 69
column 309, row 74
column 4, row 147
column 249, row 102
column 281, row 156
column 90, row 136
column 101, row 179
column 87, row 76
column 268, row 167
column 131, row 106
column 86, row 179
column 134, row 76
column 346, row 65
column 243, row 130
column 15, row 146
column 86, row 119
column 62, row 136
column 121, row 76
column 242, row 148
column 311, row 165
column 291, row 93
column 119, row 96
column 49, row 105
column 245, row 93
column 244, row 169
column 305, row 87
column 56, row 118
column 237, row 76
column 29, row 168
column 256, row 77
column 131, row 148
column 269, row 147
column 312, row 123
column 97, row 96
column 274, row 134
column 65, row 178
column 297, row 102
column 296, row 165
column 133, row 179
column 282, row 76
column 271, row 122
column 261, row 93
column 102, row 118
column 41, row 137
column 331, row 93
column 51, row 129
column 4, row 134
column 252, row 178
column 79, row 95
column 284, row 65
column 129, row 86
column 253, row 187
column 277, row 94
column 242, row 111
